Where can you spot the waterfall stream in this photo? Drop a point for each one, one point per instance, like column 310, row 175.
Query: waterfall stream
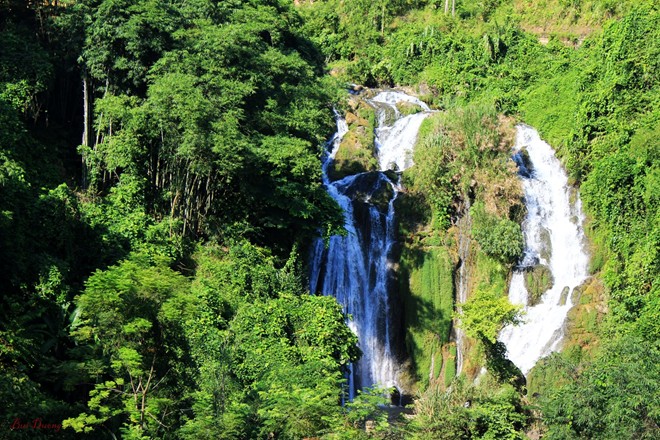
column 553, row 238
column 465, row 224
column 357, row 268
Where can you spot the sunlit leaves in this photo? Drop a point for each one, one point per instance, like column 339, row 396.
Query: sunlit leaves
column 486, row 312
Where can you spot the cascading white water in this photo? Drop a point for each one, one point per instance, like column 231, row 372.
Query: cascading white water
column 391, row 98
column 357, row 268
column 465, row 224
column 554, row 238
column 395, row 142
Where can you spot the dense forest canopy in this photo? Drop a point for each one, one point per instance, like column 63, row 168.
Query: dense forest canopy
column 160, row 182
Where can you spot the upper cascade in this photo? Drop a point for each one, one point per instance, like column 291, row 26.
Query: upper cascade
column 333, row 144
column 392, row 98
column 395, row 142
column 554, row 239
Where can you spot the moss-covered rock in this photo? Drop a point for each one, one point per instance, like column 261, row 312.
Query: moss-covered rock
column 585, row 317
column 537, row 281
column 576, row 294
column 351, row 118
column 407, row 108
column 428, row 300
column 564, row 296
column 387, row 116
column 546, row 244
column 356, row 152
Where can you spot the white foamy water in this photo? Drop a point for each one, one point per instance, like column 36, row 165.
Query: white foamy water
column 391, row 97
column 395, row 142
column 553, row 237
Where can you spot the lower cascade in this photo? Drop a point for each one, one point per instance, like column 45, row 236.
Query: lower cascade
column 358, row 268
column 554, row 250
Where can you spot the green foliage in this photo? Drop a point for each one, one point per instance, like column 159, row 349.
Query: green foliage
column 433, row 172
column 219, row 119
column 293, row 411
column 132, row 315
column 553, row 372
column 46, row 249
column 270, row 357
column 466, row 411
column 253, row 352
column 499, row 238
column 615, row 397
column 632, row 222
column 485, row 313
column 289, row 329
column 460, row 152
column 354, row 30
column 124, row 39
column 569, row 19
column 25, row 68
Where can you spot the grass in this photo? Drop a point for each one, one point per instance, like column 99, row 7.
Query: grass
column 570, row 20
column 551, row 106
column 428, row 297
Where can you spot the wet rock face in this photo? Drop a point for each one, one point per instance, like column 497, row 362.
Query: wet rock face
column 408, row 108
column 372, row 188
column 524, row 163
column 538, row 280
column 370, row 195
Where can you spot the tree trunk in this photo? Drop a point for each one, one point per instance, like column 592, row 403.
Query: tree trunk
column 86, row 111
column 86, row 129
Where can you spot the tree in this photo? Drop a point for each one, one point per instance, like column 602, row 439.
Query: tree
column 482, row 317
column 486, row 313
column 131, row 315
column 222, row 124
column 270, row 357
column 615, row 397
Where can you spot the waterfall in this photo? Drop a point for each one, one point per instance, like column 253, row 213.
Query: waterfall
column 358, row 268
column 553, row 238
column 464, row 226
column 395, row 143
